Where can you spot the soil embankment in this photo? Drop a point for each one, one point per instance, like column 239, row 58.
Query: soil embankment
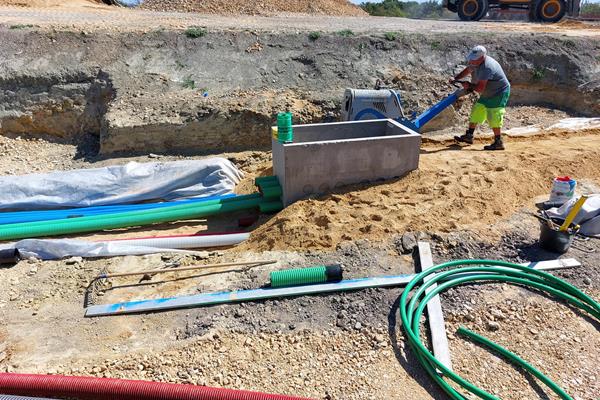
column 163, row 91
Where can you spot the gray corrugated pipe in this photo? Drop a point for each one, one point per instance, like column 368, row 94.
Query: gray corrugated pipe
column 7, row 397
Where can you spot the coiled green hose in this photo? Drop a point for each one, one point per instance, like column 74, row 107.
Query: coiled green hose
column 467, row 271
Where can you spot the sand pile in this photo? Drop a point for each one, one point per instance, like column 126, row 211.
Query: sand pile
column 49, row 3
column 263, row 7
column 453, row 189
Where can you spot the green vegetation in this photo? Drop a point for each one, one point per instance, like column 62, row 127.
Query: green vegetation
column 188, row 83
column 589, row 9
column 430, row 9
column 314, row 35
column 391, row 36
column 20, row 26
column 345, row 33
column 435, row 45
column 538, row 73
column 194, row 32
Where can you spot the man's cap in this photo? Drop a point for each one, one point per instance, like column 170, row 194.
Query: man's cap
column 476, row 53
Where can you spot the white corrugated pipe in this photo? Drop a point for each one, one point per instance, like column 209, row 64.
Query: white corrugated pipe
column 188, row 242
column 52, row 249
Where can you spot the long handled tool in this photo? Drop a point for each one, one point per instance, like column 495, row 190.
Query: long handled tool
column 573, row 213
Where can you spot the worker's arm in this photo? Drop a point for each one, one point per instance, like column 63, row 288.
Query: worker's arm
column 479, row 87
column 462, row 74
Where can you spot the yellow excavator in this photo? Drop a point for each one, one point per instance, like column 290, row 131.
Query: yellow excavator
column 536, row 10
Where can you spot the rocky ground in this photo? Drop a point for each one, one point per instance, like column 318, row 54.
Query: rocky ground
column 342, row 346
column 320, row 7
column 93, row 86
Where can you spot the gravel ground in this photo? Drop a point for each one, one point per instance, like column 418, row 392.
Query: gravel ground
column 88, row 18
column 339, row 346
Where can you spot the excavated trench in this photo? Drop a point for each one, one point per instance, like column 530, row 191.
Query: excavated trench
column 164, row 92
column 64, row 105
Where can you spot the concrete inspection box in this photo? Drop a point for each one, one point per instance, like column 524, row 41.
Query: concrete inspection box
column 323, row 157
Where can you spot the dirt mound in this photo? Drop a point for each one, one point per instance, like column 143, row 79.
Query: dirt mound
column 453, row 189
column 48, row 3
column 326, row 7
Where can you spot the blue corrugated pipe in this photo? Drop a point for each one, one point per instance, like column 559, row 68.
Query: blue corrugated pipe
column 49, row 215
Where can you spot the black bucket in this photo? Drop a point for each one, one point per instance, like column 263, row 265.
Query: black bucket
column 556, row 241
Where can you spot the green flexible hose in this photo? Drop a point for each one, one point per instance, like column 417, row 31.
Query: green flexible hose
column 479, row 271
column 515, row 359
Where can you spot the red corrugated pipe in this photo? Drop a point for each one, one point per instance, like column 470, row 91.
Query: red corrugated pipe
column 88, row 388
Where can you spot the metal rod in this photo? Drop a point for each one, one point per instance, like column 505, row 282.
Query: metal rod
column 205, row 299
column 159, row 271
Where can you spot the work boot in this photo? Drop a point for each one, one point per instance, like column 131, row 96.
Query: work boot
column 466, row 138
column 496, row 145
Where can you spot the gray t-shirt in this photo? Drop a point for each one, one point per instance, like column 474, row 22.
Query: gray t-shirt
column 491, row 71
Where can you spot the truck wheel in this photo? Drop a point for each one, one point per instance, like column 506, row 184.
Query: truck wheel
column 472, row 10
column 550, row 10
column 531, row 11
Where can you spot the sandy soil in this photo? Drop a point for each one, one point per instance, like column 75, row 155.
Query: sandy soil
column 325, row 7
column 455, row 187
column 345, row 346
column 68, row 4
column 349, row 346
column 116, row 18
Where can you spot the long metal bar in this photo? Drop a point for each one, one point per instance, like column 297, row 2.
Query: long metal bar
column 165, row 270
column 435, row 315
column 205, row 299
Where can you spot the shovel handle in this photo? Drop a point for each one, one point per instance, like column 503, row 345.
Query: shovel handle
column 573, row 213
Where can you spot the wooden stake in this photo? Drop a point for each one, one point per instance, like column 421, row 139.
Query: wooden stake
column 435, row 316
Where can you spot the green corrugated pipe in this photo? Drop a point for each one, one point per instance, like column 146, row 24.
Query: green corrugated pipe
column 269, row 207
column 469, row 271
column 135, row 213
column 270, row 192
column 306, row 276
column 265, row 180
column 77, row 225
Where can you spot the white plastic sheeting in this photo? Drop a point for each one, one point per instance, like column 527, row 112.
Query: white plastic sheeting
column 129, row 183
column 566, row 124
column 53, row 249
column 588, row 217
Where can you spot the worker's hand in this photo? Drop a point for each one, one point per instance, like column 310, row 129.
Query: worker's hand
column 466, row 85
column 451, row 81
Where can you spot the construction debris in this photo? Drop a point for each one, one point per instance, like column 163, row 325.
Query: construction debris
column 207, row 299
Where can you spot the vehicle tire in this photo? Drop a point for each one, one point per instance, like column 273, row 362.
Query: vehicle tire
column 550, row 10
column 531, row 12
column 452, row 6
column 472, row 10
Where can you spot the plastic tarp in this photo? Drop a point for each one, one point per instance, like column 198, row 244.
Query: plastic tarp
column 54, row 249
column 129, row 183
column 588, row 217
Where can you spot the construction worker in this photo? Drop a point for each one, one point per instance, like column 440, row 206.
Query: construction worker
column 487, row 79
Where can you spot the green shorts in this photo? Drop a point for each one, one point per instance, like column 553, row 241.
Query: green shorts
column 490, row 109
